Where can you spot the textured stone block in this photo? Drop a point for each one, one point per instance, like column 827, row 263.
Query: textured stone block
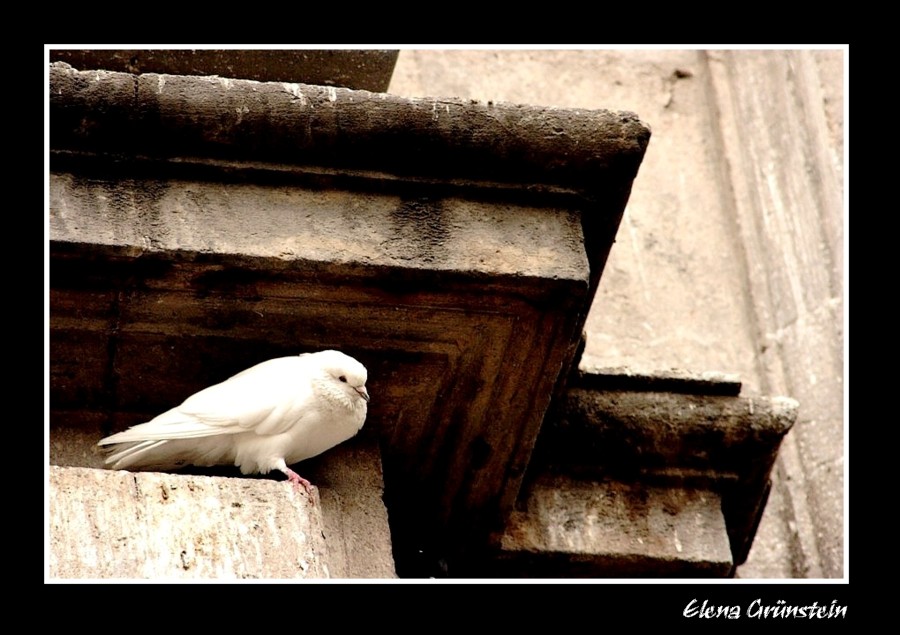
column 169, row 526
column 572, row 528
column 354, row 541
column 725, row 443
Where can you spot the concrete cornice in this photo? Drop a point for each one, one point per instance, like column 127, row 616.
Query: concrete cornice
column 179, row 117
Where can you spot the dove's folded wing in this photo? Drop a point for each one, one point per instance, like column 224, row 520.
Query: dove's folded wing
column 266, row 399
column 195, row 432
column 175, row 424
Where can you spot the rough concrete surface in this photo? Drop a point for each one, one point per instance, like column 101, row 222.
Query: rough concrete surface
column 189, row 119
column 683, row 287
column 170, row 526
column 336, row 226
column 261, row 525
column 618, row 530
column 781, row 138
column 728, row 443
column 351, row 485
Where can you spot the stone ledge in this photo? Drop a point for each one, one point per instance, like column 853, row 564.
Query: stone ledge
column 112, row 524
column 573, row 528
column 283, row 227
column 115, row 524
column 723, row 443
column 178, row 117
column 630, row 432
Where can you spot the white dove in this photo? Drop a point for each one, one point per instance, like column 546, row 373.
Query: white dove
column 265, row 418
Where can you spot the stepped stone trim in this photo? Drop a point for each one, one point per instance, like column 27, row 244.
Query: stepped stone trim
column 202, row 224
column 575, row 528
column 722, row 443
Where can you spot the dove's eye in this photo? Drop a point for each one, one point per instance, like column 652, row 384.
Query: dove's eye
column 343, row 378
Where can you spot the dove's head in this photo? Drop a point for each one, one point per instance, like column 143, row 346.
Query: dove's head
column 346, row 375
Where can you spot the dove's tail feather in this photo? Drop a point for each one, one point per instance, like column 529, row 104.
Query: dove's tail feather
column 129, row 454
column 170, row 454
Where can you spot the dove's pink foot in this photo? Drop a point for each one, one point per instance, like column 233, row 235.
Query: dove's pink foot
column 298, row 480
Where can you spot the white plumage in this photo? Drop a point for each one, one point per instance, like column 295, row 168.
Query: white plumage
column 265, row 418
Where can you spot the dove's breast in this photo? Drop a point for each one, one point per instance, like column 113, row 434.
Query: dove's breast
column 311, row 433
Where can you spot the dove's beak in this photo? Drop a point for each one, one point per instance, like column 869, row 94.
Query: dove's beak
column 363, row 393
